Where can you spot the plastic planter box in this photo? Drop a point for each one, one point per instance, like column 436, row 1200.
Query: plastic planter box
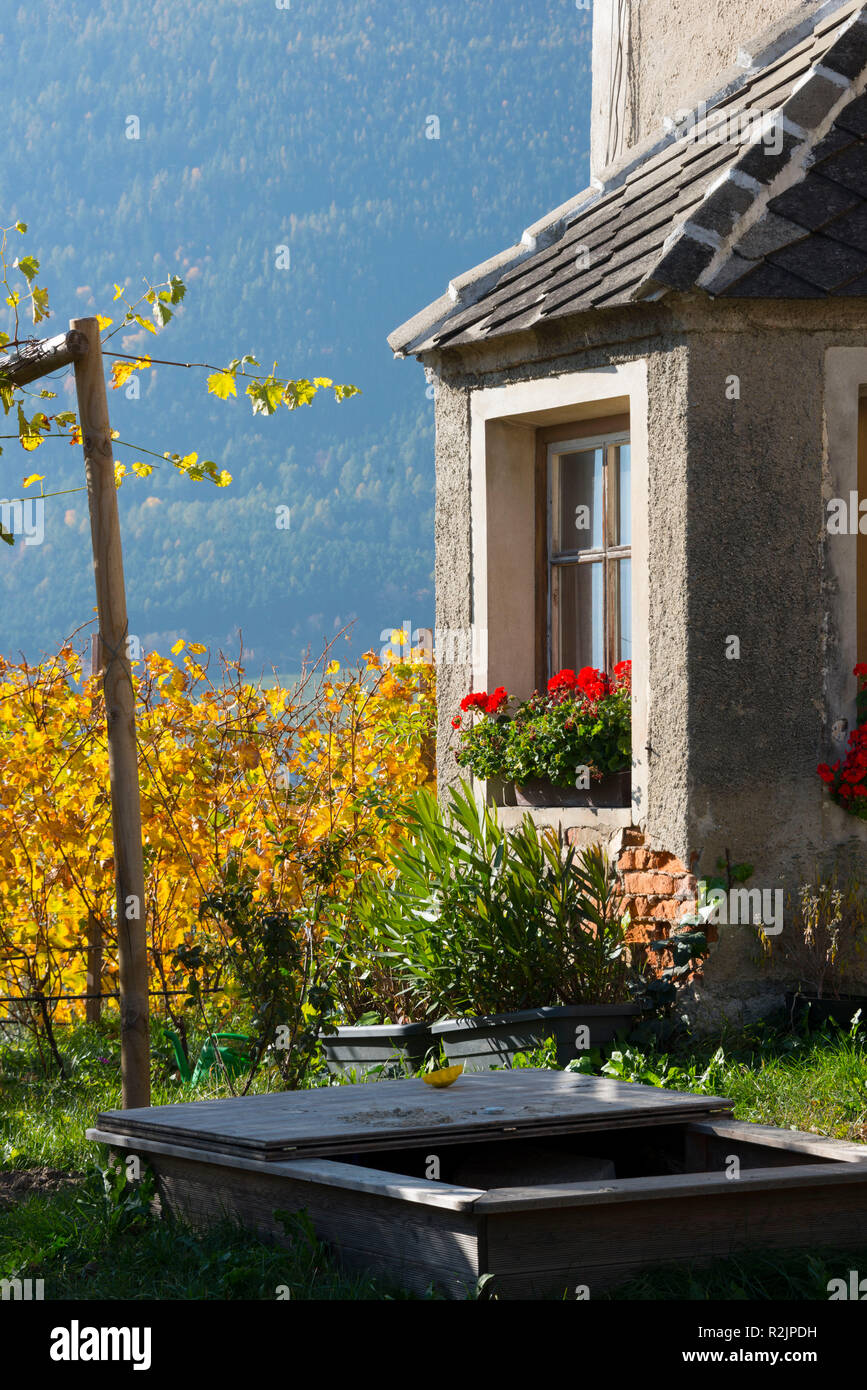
column 361, row 1048
column 483, row 1043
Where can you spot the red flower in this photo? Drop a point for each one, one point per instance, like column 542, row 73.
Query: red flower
column 825, row 772
column 496, row 700
column 564, row 680
column 623, row 670
column 852, row 774
column 475, row 700
column 860, row 669
column 456, row 722
column 595, row 684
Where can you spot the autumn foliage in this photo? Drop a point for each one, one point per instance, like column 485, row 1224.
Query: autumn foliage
column 230, row 771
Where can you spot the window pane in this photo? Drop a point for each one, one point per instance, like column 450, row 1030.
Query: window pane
column 621, row 574
column 579, row 513
column 621, row 481
column 577, row 625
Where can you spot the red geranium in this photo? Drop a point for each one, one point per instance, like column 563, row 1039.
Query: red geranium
column 475, row 700
column 847, row 782
column 594, row 684
column 564, row 682
column 496, row 700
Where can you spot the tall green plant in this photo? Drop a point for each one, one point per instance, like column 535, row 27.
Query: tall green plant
column 482, row 920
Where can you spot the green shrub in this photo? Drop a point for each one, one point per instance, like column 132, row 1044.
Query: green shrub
column 480, row 920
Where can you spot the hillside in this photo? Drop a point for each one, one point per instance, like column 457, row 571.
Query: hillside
column 262, row 127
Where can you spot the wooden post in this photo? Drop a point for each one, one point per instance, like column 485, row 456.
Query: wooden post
column 120, row 717
column 41, row 356
column 93, row 1006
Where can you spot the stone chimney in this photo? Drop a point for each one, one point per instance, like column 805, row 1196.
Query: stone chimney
column 650, row 57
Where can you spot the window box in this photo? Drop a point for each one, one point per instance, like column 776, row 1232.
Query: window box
column 612, row 790
column 493, row 1041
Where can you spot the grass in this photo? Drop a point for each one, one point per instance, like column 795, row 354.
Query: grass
column 93, row 1242
column 100, row 1239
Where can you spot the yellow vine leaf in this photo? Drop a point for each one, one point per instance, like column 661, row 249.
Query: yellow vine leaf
column 222, row 384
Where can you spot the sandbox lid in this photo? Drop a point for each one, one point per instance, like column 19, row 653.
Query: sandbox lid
column 377, row 1115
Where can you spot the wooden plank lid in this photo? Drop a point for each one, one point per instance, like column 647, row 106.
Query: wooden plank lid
column 341, row 1120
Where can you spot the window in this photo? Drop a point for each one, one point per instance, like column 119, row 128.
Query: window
column 588, row 618
column 861, row 544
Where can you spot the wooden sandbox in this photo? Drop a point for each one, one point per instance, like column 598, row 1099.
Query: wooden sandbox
column 546, row 1180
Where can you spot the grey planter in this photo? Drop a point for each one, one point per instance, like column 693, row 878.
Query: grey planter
column 818, row 1011
column 612, row 790
column 398, row 1047
column 483, row 1043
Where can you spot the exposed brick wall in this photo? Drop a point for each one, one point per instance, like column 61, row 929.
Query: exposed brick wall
column 657, row 888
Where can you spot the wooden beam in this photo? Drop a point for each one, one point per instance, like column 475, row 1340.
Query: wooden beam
column 119, row 696
column 41, row 356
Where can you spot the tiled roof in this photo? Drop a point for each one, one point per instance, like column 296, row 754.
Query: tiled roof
column 760, row 192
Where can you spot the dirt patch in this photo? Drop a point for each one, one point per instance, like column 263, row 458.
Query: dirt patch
column 17, row 1184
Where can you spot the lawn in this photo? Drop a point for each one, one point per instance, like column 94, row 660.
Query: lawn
column 87, row 1234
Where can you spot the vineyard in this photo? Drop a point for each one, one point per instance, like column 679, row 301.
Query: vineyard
column 238, row 782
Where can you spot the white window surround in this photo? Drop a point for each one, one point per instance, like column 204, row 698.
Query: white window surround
column 503, row 421
column 845, row 378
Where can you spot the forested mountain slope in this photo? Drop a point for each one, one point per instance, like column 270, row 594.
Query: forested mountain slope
column 262, row 127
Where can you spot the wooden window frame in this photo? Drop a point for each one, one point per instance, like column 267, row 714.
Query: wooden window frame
column 861, row 540
column 608, row 430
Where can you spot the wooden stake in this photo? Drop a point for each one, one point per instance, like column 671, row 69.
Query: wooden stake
column 93, row 1005
column 120, row 717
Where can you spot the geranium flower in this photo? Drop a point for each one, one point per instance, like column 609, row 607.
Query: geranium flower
column 564, row 681
column 456, row 722
column 496, row 700
column 825, row 772
column 475, row 700
column 595, row 684
column 860, row 669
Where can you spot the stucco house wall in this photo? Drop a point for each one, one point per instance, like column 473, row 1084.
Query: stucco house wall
column 668, row 48
column 743, row 405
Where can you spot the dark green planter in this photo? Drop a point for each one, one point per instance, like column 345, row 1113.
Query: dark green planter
column 483, row 1043
column 361, row 1048
column 612, row 790
column 818, row 1011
